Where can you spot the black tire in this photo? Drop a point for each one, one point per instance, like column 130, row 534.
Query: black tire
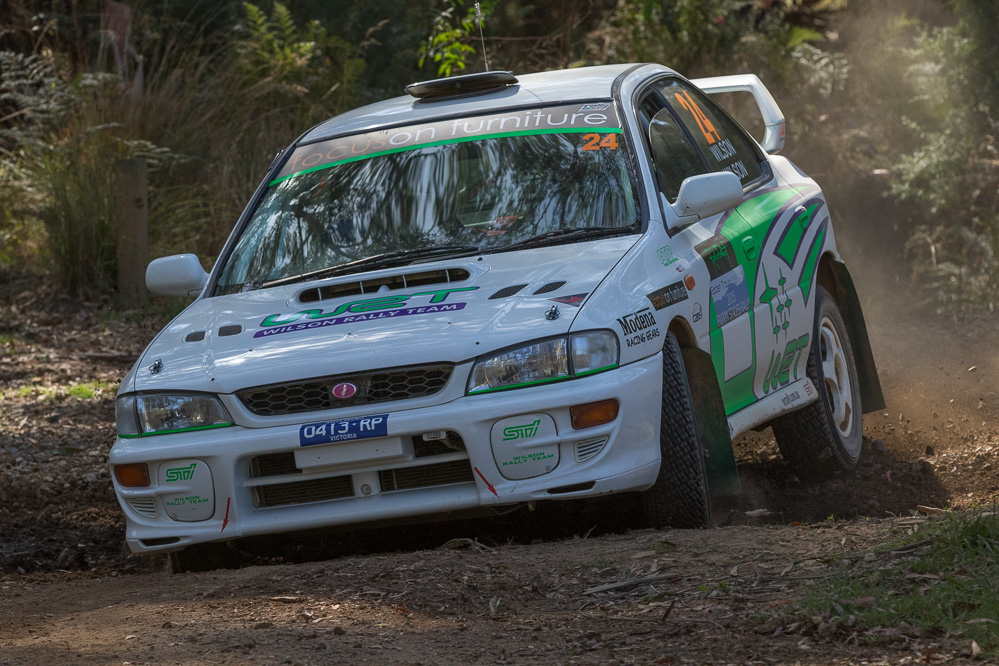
column 679, row 497
column 825, row 437
column 204, row 557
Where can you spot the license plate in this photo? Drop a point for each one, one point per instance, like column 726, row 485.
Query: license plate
column 343, row 430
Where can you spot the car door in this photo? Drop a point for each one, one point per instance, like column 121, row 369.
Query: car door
column 689, row 135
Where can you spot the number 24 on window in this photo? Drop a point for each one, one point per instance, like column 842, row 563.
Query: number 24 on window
column 596, row 142
column 705, row 125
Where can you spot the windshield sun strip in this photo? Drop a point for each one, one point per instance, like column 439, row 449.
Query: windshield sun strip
column 464, row 139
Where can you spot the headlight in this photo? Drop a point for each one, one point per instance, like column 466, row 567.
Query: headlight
column 593, row 351
column 545, row 361
column 143, row 415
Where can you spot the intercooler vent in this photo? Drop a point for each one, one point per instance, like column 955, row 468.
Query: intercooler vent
column 507, row 291
column 273, row 464
column 302, row 492
column 196, row 336
column 588, row 448
column 437, row 447
column 230, row 329
column 425, row 476
column 144, row 506
column 389, row 283
column 551, row 286
column 160, row 541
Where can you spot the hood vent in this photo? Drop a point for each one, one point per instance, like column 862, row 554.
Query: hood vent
column 196, row 336
column 389, row 283
column 507, row 291
column 230, row 329
column 551, row 286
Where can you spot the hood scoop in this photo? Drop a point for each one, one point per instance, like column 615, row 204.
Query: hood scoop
column 388, row 283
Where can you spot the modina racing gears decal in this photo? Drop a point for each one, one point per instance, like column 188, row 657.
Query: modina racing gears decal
column 640, row 326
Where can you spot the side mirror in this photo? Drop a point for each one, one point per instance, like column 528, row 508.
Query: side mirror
column 706, row 195
column 178, row 275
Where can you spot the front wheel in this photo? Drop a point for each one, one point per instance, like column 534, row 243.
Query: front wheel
column 826, row 436
column 679, row 497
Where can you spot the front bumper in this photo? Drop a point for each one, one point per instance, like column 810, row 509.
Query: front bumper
column 234, row 499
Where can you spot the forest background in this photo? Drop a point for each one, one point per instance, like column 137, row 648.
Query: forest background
column 892, row 106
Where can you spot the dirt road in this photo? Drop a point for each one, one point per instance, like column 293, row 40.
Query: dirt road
column 708, row 596
column 70, row 592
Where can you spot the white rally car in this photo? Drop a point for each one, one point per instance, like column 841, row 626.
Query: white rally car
column 495, row 291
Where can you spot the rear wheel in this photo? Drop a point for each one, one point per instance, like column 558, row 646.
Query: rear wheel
column 679, row 497
column 204, row 557
column 826, row 436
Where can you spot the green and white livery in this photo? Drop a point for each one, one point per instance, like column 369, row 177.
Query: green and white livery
column 495, row 291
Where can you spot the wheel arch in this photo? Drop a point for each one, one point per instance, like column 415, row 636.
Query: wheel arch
column 713, row 430
column 683, row 332
column 834, row 276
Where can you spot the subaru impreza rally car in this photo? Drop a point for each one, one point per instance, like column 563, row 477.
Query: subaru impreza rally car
column 494, row 291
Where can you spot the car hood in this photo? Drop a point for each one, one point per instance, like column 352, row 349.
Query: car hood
column 227, row 343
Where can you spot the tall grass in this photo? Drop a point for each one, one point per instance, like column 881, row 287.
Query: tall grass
column 207, row 113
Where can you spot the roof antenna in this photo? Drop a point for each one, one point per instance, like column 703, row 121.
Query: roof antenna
column 478, row 18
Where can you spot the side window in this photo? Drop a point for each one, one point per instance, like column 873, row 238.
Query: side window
column 723, row 144
column 673, row 155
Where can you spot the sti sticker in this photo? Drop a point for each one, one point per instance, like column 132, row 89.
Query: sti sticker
column 730, row 295
column 343, row 430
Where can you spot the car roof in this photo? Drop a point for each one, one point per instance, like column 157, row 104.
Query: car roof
column 566, row 85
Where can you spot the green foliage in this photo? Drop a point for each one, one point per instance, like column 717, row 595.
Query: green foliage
column 947, row 589
column 698, row 37
column 308, row 68
column 448, row 44
column 210, row 95
column 953, row 171
column 207, row 114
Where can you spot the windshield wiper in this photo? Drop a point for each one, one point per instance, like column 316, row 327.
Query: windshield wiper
column 385, row 260
column 561, row 235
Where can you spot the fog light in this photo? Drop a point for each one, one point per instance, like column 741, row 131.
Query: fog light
column 132, row 476
column 593, row 414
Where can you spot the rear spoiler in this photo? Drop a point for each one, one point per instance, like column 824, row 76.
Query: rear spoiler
column 773, row 119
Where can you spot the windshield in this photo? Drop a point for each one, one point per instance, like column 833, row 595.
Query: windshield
column 471, row 185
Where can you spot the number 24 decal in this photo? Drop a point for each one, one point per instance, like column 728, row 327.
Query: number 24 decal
column 596, row 142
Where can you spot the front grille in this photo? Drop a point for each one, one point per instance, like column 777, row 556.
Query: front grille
column 441, row 474
column 300, row 492
column 371, row 387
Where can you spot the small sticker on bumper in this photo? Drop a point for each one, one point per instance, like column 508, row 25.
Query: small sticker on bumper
column 343, row 430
